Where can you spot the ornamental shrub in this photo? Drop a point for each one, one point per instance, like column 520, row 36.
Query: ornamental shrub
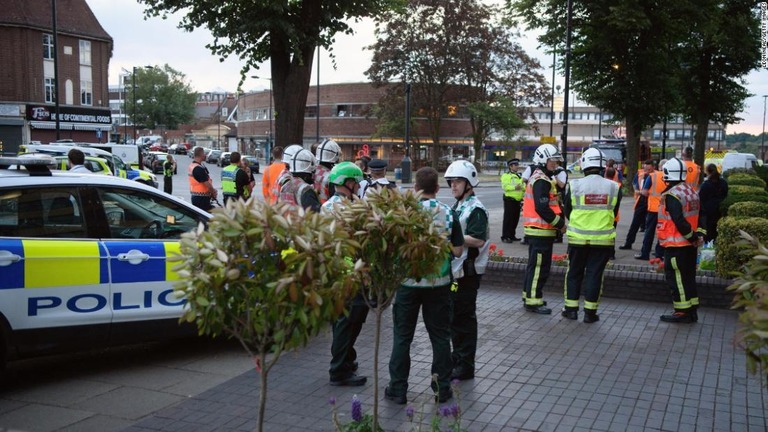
column 738, row 196
column 748, row 209
column 729, row 257
column 743, row 179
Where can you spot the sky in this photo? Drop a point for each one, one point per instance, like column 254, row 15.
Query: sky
column 154, row 41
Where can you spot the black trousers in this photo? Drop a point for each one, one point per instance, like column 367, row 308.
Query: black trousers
column 680, row 274
column 586, row 265
column 537, row 271
column 435, row 305
column 346, row 329
column 464, row 322
column 168, row 184
column 650, row 232
column 511, row 217
column 638, row 220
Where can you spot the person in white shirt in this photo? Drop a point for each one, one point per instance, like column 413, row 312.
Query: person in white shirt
column 379, row 179
column 77, row 161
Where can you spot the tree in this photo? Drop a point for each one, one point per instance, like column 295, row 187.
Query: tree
column 722, row 45
column 162, row 97
column 621, row 60
column 267, row 276
column 285, row 33
column 453, row 54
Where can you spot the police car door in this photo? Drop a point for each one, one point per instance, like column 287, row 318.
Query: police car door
column 54, row 289
column 144, row 229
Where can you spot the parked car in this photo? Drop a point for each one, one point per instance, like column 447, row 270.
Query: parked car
column 214, row 156
column 155, row 160
column 224, row 160
column 253, row 163
column 161, row 147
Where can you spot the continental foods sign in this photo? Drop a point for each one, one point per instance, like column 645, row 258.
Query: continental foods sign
column 69, row 115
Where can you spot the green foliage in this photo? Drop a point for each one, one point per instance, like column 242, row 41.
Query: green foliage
column 398, row 240
column 762, row 172
column 751, row 296
column 741, row 193
column 733, row 171
column 163, row 98
column 744, row 179
column 455, row 54
column 283, row 33
column 729, row 257
column 748, row 209
column 267, row 276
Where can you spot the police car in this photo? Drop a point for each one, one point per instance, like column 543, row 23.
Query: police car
column 83, row 259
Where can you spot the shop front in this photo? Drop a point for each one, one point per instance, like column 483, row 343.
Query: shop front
column 78, row 124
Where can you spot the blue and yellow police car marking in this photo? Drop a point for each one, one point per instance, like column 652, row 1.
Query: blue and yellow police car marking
column 63, row 262
column 171, row 249
column 12, row 272
column 151, row 270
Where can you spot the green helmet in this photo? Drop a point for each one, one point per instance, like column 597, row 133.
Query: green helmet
column 344, row 171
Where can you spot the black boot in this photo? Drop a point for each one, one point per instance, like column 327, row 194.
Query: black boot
column 591, row 316
column 571, row 314
column 682, row 317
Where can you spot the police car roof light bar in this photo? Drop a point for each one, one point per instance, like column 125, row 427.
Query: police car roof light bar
column 36, row 166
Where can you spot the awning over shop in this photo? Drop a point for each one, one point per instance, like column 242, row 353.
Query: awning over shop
column 70, row 126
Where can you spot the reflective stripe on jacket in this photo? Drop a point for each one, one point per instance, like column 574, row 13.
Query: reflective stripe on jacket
column 290, row 191
column 593, row 203
column 228, row 176
column 464, row 209
column 533, row 223
column 666, row 230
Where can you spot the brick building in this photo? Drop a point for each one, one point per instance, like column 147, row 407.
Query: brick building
column 345, row 115
column 28, row 90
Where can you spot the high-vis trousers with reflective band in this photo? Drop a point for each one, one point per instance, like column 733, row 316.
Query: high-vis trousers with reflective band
column 586, row 265
column 464, row 322
column 537, row 271
column 346, row 329
column 680, row 274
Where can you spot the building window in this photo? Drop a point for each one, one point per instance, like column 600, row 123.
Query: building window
column 86, row 93
column 85, row 52
column 50, row 90
column 48, row 46
column 342, row 110
column 310, row 111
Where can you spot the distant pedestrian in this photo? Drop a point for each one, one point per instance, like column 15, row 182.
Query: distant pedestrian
column 269, row 188
column 76, row 160
column 642, row 186
column 234, row 180
column 677, row 229
column 169, row 167
column 652, row 217
column 468, row 269
column 432, row 296
column 328, row 154
column 692, row 169
column 200, row 182
column 513, row 187
column 711, row 193
column 591, row 206
column 542, row 218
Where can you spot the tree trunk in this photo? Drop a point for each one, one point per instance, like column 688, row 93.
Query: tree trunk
column 262, row 391
column 633, row 145
column 290, row 84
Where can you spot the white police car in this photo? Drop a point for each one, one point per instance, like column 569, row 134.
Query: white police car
column 83, row 259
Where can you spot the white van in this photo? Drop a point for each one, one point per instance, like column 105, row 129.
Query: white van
column 739, row 160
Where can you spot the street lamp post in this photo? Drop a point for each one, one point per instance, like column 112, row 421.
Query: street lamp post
column 270, row 136
column 762, row 137
column 133, row 83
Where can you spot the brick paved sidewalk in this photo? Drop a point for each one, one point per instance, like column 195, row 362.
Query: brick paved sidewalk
column 535, row 373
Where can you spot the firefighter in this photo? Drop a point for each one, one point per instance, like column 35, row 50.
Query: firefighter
column 678, row 234
column 591, row 206
column 327, row 154
column 542, row 218
column 513, row 187
column 297, row 190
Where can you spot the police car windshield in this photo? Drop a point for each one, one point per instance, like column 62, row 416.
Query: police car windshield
column 145, row 206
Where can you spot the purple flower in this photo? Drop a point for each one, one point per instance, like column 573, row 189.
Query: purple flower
column 409, row 412
column 445, row 411
column 332, row 400
column 357, row 409
column 455, row 410
column 455, row 382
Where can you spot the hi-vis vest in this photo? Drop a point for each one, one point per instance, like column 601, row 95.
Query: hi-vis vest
column 593, row 200
column 195, row 187
column 657, row 187
column 509, row 183
column 442, row 218
column 321, row 179
column 290, row 191
column 666, row 229
column 640, row 180
column 533, row 224
column 481, row 261
column 228, row 184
